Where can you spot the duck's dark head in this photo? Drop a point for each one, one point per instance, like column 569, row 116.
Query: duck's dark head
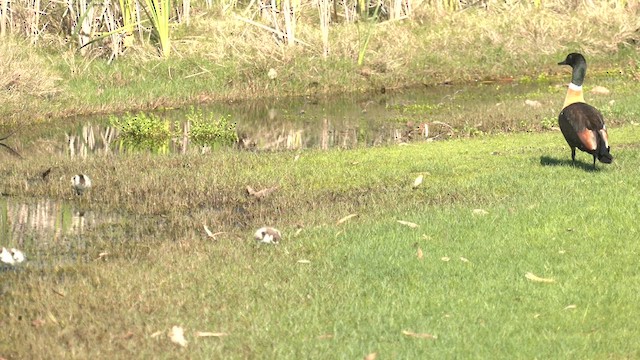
column 579, row 66
column 574, row 59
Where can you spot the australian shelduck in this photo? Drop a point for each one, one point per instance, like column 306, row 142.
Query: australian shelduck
column 582, row 125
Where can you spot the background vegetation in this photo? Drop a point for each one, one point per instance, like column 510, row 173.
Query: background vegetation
column 129, row 55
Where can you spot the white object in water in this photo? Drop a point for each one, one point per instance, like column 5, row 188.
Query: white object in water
column 268, row 235
column 80, row 183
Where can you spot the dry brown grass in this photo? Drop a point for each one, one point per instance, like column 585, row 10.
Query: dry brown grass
column 500, row 31
column 24, row 72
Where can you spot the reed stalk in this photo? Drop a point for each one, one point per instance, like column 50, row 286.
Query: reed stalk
column 35, row 20
column 127, row 13
column 82, row 21
column 4, row 17
column 324, row 7
column 367, row 36
column 186, row 11
column 115, row 31
column 289, row 21
column 158, row 12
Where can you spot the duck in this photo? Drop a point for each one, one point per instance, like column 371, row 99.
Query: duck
column 582, row 124
column 268, row 235
column 80, row 183
column 12, row 256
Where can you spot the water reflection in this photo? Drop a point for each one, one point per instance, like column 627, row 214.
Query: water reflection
column 266, row 125
column 83, row 141
column 300, row 123
column 41, row 223
column 103, row 138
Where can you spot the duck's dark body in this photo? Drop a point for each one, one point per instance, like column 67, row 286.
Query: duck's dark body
column 583, row 127
column 581, row 124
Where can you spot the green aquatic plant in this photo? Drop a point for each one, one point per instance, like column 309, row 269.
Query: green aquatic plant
column 209, row 130
column 143, row 131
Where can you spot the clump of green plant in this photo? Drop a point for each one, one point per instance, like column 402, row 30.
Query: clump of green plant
column 143, row 131
column 209, row 130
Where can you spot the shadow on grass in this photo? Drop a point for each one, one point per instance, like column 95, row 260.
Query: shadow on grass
column 549, row 161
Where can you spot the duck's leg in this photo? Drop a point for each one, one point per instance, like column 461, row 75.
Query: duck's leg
column 594, row 161
column 573, row 155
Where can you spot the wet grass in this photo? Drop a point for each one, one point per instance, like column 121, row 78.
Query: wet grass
column 364, row 283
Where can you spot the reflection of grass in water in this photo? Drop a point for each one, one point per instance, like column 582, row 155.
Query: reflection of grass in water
column 364, row 284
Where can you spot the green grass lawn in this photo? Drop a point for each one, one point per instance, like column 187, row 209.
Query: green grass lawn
column 361, row 285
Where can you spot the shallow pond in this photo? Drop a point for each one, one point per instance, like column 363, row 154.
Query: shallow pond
column 311, row 122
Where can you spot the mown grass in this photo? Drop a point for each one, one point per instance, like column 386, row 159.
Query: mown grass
column 364, row 283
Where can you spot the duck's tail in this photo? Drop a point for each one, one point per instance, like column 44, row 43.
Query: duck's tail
column 603, row 147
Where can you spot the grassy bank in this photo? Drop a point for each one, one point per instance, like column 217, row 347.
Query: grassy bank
column 221, row 58
column 490, row 210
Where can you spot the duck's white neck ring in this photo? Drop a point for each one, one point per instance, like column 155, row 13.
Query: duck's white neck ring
column 575, row 87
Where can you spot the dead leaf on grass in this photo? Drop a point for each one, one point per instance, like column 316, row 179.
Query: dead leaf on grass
column 156, row 334
column 371, row 356
column 38, row 323
column 304, row 261
column 480, row 212
column 418, row 181
column 177, row 336
column 420, row 254
column 570, row 307
column 535, row 278
column 419, row 335
column 262, row 193
column 445, row 258
column 464, row 259
column 408, row 223
column 346, row 218
column 210, row 233
column 325, row 336
column 102, row 255
column 210, row 334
